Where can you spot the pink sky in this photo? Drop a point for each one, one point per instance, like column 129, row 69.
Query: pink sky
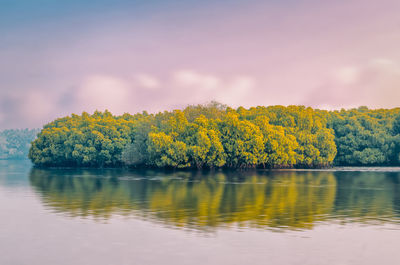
column 321, row 54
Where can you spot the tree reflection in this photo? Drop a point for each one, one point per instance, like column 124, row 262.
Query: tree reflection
column 271, row 199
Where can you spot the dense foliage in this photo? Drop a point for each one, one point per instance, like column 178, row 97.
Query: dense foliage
column 214, row 136
column 86, row 140
column 14, row 144
column 199, row 136
column 366, row 137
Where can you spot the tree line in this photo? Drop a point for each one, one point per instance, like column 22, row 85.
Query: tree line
column 217, row 136
column 366, row 137
column 15, row 144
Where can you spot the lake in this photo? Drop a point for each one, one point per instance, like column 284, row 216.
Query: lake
column 115, row 216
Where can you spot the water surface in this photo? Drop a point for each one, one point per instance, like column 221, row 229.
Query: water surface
column 116, row 216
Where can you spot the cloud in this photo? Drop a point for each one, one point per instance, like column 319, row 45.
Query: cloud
column 374, row 84
column 100, row 92
column 35, row 107
column 193, row 79
column 386, row 65
column 238, row 90
column 147, row 81
column 152, row 93
column 194, row 87
column 37, row 104
column 347, row 75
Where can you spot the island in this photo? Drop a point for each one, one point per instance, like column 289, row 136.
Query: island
column 217, row 136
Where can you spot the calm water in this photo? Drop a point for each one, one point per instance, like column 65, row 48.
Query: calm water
column 65, row 216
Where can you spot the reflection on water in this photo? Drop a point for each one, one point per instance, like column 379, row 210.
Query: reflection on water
column 276, row 200
column 115, row 216
column 14, row 173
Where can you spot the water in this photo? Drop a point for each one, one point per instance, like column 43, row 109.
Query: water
column 114, row 216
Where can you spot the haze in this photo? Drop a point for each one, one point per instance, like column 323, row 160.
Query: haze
column 63, row 57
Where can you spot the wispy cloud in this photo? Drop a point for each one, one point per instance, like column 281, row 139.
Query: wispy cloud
column 375, row 83
column 193, row 87
column 147, row 81
column 159, row 55
column 101, row 92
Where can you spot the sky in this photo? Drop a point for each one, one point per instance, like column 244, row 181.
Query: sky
column 63, row 57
